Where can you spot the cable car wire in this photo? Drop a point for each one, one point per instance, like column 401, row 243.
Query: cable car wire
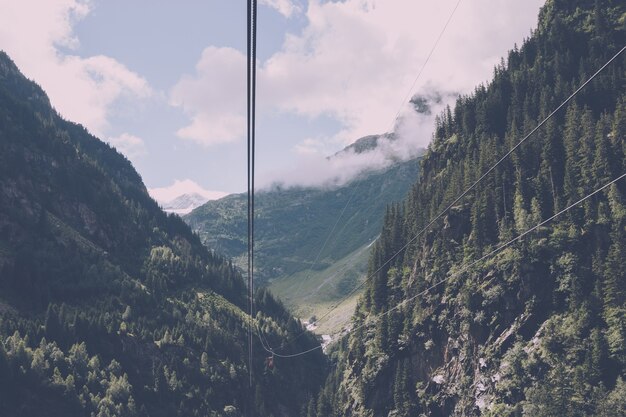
column 251, row 110
column 458, row 273
column 391, row 128
column 464, row 193
column 471, row 187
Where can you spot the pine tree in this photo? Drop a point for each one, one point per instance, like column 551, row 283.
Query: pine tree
column 6, row 379
column 573, row 176
column 615, row 298
column 601, row 166
column 311, row 408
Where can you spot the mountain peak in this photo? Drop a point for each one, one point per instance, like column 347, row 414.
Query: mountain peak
column 185, row 203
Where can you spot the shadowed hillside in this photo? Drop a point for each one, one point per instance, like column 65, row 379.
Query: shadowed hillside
column 108, row 306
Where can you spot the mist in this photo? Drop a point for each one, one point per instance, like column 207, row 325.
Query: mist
column 411, row 134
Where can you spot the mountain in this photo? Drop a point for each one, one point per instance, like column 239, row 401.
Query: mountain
column 537, row 327
column 310, row 243
column 184, row 204
column 365, row 144
column 111, row 307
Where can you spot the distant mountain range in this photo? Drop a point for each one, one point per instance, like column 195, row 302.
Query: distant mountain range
column 185, row 203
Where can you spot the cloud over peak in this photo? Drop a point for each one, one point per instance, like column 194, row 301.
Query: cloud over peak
column 166, row 194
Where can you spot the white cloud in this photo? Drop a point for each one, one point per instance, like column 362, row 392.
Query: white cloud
column 214, row 98
column 311, row 146
column 354, row 61
column 179, row 187
column 285, row 7
column 312, row 167
column 130, row 145
column 33, row 32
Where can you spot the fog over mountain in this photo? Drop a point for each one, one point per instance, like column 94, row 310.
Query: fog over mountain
column 410, row 135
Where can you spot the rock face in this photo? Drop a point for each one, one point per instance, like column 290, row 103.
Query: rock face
column 537, row 329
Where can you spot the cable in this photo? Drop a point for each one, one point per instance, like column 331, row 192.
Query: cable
column 496, row 250
column 249, row 14
column 463, row 269
column 419, row 74
column 264, row 340
column 296, row 354
column 251, row 96
column 269, row 349
column 253, row 146
column 464, row 193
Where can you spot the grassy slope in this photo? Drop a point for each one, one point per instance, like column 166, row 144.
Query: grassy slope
column 311, row 293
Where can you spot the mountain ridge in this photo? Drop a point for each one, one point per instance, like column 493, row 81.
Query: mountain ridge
column 109, row 306
column 537, row 330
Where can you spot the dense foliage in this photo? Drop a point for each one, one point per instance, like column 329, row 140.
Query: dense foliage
column 540, row 328
column 110, row 307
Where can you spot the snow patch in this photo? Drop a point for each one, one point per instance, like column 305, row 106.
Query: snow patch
column 184, row 204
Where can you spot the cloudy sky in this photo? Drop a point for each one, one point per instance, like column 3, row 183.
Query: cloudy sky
column 164, row 81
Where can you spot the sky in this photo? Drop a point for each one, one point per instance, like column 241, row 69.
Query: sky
column 165, row 81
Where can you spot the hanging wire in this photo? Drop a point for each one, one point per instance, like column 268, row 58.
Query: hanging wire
column 464, row 193
column 251, row 110
column 391, row 128
column 471, row 187
column 419, row 74
column 463, row 269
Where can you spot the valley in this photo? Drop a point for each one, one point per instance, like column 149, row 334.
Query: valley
column 482, row 276
column 312, row 244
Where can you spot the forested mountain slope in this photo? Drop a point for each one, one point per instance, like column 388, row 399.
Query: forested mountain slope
column 539, row 329
column 108, row 306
